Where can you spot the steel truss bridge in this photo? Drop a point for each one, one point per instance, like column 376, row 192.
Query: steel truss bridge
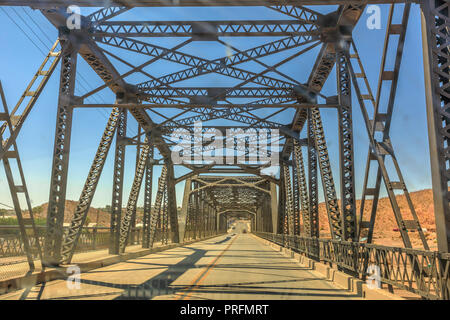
column 283, row 208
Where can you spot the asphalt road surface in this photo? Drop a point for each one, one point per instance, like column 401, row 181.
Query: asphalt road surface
column 232, row 267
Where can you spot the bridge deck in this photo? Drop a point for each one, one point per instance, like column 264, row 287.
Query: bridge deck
column 233, row 266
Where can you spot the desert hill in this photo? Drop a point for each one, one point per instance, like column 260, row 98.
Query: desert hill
column 385, row 222
column 384, row 226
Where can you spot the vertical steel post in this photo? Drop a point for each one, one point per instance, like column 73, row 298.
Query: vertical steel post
column 147, row 200
column 346, row 157
column 182, row 223
column 302, row 187
column 436, row 53
column 312, row 181
column 172, row 204
column 133, row 217
column 60, row 166
column 274, row 207
column 118, row 175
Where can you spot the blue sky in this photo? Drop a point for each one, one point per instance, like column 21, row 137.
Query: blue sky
column 20, row 58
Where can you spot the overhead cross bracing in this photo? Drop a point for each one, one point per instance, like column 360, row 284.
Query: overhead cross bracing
column 190, row 3
column 251, row 87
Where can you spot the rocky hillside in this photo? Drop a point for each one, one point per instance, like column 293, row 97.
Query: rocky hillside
column 103, row 216
column 384, row 227
column 385, row 222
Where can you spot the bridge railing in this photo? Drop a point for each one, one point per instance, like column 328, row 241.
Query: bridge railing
column 13, row 260
column 425, row 273
column 92, row 238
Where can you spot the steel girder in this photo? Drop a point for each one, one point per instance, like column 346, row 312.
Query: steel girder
column 328, row 186
column 436, row 24
column 208, row 66
column 347, row 171
column 186, row 208
column 118, row 177
column 298, row 12
column 172, row 205
column 125, row 225
column 218, row 93
column 60, row 166
column 289, row 220
column 193, row 61
column 313, row 209
column 164, row 219
column 296, row 195
column 207, row 30
column 148, row 228
column 185, row 3
column 282, row 226
column 104, row 14
column 301, row 189
column 156, row 213
column 90, row 186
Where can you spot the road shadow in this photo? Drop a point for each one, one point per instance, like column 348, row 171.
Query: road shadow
column 223, row 240
column 153, row 287
column 160, row 284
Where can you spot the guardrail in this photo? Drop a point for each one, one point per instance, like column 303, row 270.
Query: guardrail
column 91, row 238
column 425, row 273
column 13, row 260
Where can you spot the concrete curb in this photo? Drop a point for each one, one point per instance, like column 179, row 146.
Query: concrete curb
column 30, row 280
column 352, row 284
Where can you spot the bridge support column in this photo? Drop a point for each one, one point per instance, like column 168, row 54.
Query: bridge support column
column 148, row 200
column 216, row 229
column 60, row 166
column 274, row 207
column 117, row 193
column 218, row 222
column 435, row 36
column 259, row 220
column 172, row 203
column 346, row 163
column 269, row 214
column 125, row 226
column 133, row 239
column 263, row 216
column 313, row 208
column 182, row 221
column 302, row 189
column 194, row 214
column 80, row 214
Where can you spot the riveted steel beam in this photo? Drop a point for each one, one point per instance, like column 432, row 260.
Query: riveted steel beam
column 435, row 26
column 118, row 177
column 81, row 211
column 146, row 220
column 185, row 3
column 205, row 30
column 60, row 166
column 346, row 157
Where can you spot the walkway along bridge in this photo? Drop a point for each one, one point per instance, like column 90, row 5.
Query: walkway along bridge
column 283, row 208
